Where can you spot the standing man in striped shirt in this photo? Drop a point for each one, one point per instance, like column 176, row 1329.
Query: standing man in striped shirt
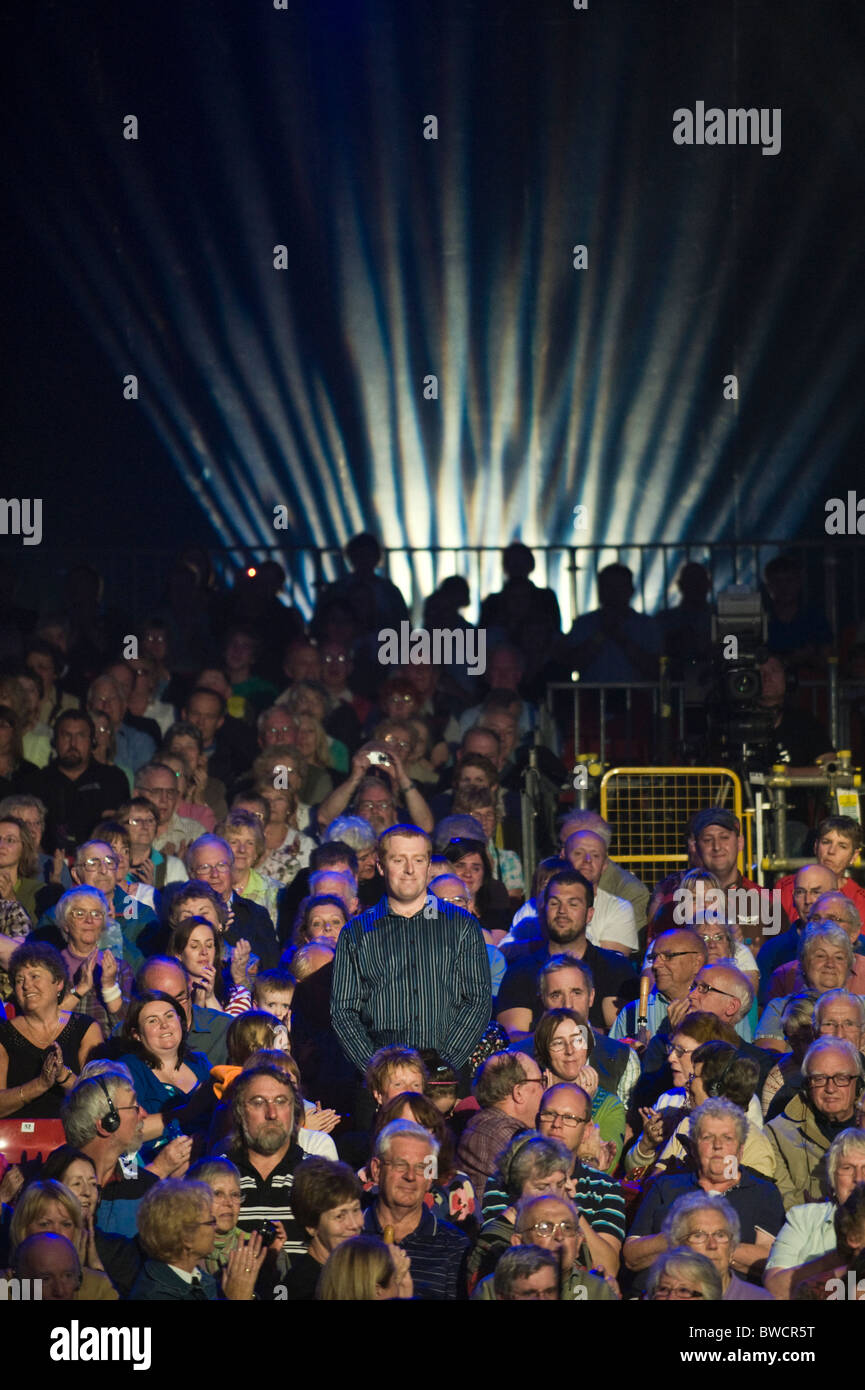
column 413, row 970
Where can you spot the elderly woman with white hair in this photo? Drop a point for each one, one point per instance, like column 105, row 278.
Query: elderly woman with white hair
column 826, row 961
column 809, row 1231
column 101, row 983
column 683, row 1275
column 709, row 1226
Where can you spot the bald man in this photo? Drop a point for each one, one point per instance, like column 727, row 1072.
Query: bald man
column 809, row 884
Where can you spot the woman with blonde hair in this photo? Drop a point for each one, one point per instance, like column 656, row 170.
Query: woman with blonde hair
column 363, row 1270
column 50, row 1207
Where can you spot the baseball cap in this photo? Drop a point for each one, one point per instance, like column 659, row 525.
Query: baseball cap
column 716, row 815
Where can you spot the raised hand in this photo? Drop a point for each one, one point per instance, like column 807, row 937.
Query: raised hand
column 240, row 961
column 242, row 1269
column 109, row 970
column 321, row 1120
column 52, row 1066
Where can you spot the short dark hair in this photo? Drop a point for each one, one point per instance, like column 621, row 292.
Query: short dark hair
column 567, row 878
column 842, row 825
column 547, row 1025
column 735, row 1076
column 38, row 953
column 136, row 1006
column 496, row 1078
column 320, row 1184
column 334, row 852
column 195, row 888
column 182, row 729
column 78, row 716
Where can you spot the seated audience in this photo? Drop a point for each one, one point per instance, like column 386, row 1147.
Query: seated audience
column 177, row 1230
column 809, row 1232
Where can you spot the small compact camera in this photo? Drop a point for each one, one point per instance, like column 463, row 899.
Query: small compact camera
column 268, row 1233
column 375, row 756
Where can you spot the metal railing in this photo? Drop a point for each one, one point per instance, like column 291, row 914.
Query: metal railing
column 137, row 576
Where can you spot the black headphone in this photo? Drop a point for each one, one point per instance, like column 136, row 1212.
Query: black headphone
column 716, row 1087
column 110, row 1122
column 68, row 716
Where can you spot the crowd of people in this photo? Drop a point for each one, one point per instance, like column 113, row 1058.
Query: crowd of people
column 288, row 1018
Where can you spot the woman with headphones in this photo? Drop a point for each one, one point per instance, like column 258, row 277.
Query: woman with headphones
column 719, row 1071
column 531, row 1166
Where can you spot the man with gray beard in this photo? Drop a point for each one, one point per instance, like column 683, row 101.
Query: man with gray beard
column 267, row 1111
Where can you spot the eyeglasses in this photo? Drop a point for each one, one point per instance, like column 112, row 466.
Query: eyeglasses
column 675, row 1049
column 400, row 700
column 702, row 1237
column 259, row 1102
column 281, row 729
column 158, row 792
column 569, row 1121
column 840, row 1079
column 81, row 914
column 700, row 987
column 127, row 1107
column 142, row 820
column 396, row 742
column 715, row 937
column 571, row 1044
column 331, row 660
column 403, row 1168
column 532, row 1081
column 679, row 1292
column 10, row 839
column 670, row 955
column 463, row 902
column 373, row 805
column 109, row 860
column 549, row 1228
column 844, row 1025
column 207, row 870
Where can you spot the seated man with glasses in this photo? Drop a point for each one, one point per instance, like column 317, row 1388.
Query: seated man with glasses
column 833, row 1074
column 565, row 1113
column 553, row 1223
column 211, row 860
column 676, row 958
column 404, row 1166
column 159, row 784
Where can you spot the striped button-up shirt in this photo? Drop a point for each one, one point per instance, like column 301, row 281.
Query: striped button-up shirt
column 421, row 981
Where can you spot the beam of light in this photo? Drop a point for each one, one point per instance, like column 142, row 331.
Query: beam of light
column 453, row 257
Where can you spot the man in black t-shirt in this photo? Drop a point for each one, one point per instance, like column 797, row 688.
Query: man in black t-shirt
column 77, row 791
column 565, row 912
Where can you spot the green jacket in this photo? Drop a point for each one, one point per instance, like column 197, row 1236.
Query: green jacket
column 800, row 1147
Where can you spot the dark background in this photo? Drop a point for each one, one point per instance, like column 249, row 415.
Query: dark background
column 305, row 386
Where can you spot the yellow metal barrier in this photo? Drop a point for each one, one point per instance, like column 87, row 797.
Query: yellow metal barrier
column 649, row 808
